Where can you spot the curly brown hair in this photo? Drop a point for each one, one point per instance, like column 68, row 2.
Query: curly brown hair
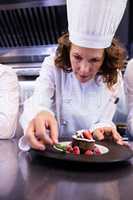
column 114, row 59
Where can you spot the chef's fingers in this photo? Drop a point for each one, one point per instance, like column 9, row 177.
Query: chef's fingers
column 41, row 132
column 98, row 134
column 116, row 136
column 53, row 127
column 31, row 138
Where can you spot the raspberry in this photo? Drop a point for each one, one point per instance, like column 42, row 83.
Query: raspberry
column 97, row 151
column 69, row 149
column 76, row 150
column 88, row 152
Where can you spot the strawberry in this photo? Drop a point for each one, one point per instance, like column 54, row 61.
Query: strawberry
column 88, row 152
column 69, row 149
column 87, row 135
column 76, row 150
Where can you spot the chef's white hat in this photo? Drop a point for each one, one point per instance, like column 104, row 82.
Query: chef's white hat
column 93, row 23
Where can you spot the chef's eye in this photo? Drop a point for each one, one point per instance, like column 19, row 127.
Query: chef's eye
column 95, row 60
column 77, row 57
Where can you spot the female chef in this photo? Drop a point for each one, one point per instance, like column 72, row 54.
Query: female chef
column 78, row 87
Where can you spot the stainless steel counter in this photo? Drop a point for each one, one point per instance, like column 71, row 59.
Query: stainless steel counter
column 24, row 177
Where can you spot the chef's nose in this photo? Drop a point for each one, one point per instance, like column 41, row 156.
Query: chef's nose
column 85, row 67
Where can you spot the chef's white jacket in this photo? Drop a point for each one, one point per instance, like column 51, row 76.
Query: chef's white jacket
column 128, row 83
column 9, row 102
column 75, row 105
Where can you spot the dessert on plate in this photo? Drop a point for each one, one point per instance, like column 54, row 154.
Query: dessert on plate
column 82, row 143
column 84, row 140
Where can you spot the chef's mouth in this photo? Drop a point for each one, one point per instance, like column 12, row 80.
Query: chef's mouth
column 84, row 77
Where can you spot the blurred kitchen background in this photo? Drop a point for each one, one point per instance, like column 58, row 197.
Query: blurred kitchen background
column 28, row 33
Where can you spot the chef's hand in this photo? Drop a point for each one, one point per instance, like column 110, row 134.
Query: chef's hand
column 37, row 135
column 108, row 132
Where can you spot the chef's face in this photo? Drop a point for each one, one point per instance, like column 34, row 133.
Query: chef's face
column 85, row 62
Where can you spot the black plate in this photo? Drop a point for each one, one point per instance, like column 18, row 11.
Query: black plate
column 117, row 153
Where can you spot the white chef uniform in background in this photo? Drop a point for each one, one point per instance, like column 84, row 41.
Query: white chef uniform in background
column 128, row 80
column 9, row 102
column 76, row 105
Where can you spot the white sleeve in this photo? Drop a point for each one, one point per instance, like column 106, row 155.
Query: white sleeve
column 9, row 102
column 43, row 96
column 128, row 83
column 109, row 108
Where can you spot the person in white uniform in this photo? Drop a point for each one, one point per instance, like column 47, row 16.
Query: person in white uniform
column 128, row 83
column 9, row 102
column 78, row 87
